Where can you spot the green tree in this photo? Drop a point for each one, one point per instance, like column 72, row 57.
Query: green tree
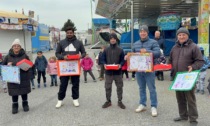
column 67, row 24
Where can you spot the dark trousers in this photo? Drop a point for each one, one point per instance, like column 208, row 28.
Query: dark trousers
column 133, row 74
column 15, row 98
column 32, row 82
column 108, row 86
column 125, row 72
column 53, row 79
column 43, row 73
column 102, row 71
column 64, row 84
column 90, row 72
column 159, row 74
column 187, row 104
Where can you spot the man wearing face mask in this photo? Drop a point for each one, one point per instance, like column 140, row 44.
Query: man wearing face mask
column 69, row 46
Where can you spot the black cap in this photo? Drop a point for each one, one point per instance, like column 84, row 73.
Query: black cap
column 113, row 35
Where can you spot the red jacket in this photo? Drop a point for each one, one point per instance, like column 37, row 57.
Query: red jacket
column 87, row 63
column 125, row 66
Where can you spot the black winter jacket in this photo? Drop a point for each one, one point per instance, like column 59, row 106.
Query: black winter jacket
column 69, row 46
column 24, row 86
column 113, row 55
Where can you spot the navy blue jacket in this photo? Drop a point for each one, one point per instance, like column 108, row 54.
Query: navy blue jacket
column 41, row 63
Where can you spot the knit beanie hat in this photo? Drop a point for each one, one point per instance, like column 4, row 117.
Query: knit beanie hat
column 113, row 35
column 16, row 42
column 183, row 30
column 144, row 27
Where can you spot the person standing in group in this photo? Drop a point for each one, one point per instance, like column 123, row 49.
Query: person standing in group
column 125, row 71
column 16, row 54
column 4, row 84
column 146, row 45
column 69, row 46
column 186, row 56
column 87, row 64
column 113, row 55
column 201, row 80
column 32, row 72
column 100, row 63
column 160, row 60
column 41, row 65
column 160, row 40
column 52, row 70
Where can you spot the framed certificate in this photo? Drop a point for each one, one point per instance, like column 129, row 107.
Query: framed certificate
column 140, row 62
column 68, row 68
column 10, row 74
column 184, row 81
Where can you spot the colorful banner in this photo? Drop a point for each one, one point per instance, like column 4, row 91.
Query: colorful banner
column 11, row 27
column 203, row 31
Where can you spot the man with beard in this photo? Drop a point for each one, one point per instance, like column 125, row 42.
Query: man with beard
column 69, row 46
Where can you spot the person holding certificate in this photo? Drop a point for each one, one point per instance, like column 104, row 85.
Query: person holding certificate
column 16, row 54
column 186, row 56
column 146, row 45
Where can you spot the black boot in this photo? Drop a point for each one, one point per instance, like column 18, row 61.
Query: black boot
column 51, row 84
column 161, row 78
column 56, row 84
column 14, row 108
column 158, row 77
column 25, row 106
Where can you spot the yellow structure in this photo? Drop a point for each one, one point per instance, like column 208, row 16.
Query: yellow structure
column 11, row 14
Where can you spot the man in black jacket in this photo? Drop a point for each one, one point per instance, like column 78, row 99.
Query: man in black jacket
column 160, row 40
column 69, row 46
column 113, row 55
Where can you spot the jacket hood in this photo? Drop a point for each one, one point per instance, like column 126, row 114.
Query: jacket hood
column 11, row 53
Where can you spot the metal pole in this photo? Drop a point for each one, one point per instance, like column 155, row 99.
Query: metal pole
column 93, row 30
column 132, row 24
column 24, row 37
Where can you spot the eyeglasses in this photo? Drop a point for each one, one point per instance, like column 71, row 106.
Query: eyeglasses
column 16, row 46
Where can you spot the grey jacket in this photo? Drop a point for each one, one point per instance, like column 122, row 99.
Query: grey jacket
column 69, row 46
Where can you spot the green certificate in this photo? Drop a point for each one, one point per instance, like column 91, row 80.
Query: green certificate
column 184, row 81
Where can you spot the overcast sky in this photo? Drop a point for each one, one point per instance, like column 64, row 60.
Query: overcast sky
column 55, row 12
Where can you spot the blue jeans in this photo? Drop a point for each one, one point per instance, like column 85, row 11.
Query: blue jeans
column 53, row 79
column 148, row 79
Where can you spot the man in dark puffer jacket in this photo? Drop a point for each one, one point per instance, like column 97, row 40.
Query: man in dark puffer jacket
column 113, row 55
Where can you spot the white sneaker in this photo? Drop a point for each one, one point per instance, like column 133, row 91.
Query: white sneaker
column 154, row 111
column 59, row 104
column 76, row 102
column 141, row 108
